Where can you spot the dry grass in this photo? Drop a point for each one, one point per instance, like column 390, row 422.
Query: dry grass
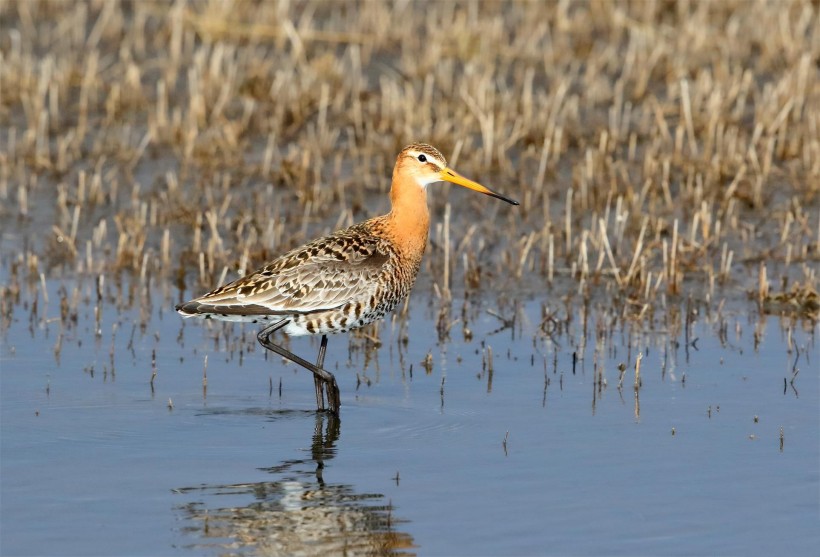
column 659, row 149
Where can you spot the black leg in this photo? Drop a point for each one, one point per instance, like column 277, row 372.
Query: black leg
column 319, row 374
column 320, row 361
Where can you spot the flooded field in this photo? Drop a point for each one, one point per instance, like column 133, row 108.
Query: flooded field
column 511, row 442
column 625, row 364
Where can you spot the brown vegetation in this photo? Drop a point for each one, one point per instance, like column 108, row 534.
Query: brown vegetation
column 658, row 148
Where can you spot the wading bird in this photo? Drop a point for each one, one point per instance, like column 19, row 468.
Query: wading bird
column 345, row 280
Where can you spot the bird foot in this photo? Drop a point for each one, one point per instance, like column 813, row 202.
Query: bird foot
column 333, row 396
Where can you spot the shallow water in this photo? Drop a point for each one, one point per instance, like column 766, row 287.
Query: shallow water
column 542, row 454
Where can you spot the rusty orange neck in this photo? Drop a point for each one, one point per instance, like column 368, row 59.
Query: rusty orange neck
column 409, row 218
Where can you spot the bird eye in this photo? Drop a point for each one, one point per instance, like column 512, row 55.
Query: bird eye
column 422, row 158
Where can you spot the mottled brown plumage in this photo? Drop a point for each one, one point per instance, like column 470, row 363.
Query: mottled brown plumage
column 345, row 280
column 333, row 284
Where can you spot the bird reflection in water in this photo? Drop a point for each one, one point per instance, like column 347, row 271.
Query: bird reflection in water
column 299, row 513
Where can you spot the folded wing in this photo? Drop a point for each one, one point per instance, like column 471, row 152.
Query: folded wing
column 322, row 275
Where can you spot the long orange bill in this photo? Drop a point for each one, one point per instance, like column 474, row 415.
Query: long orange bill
column 450, row 175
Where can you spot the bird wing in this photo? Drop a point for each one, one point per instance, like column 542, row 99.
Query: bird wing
column 321, row 275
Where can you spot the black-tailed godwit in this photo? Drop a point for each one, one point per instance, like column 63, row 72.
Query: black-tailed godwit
column 345, row 280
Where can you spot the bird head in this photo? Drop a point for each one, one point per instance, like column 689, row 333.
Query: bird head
column 426, row 165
